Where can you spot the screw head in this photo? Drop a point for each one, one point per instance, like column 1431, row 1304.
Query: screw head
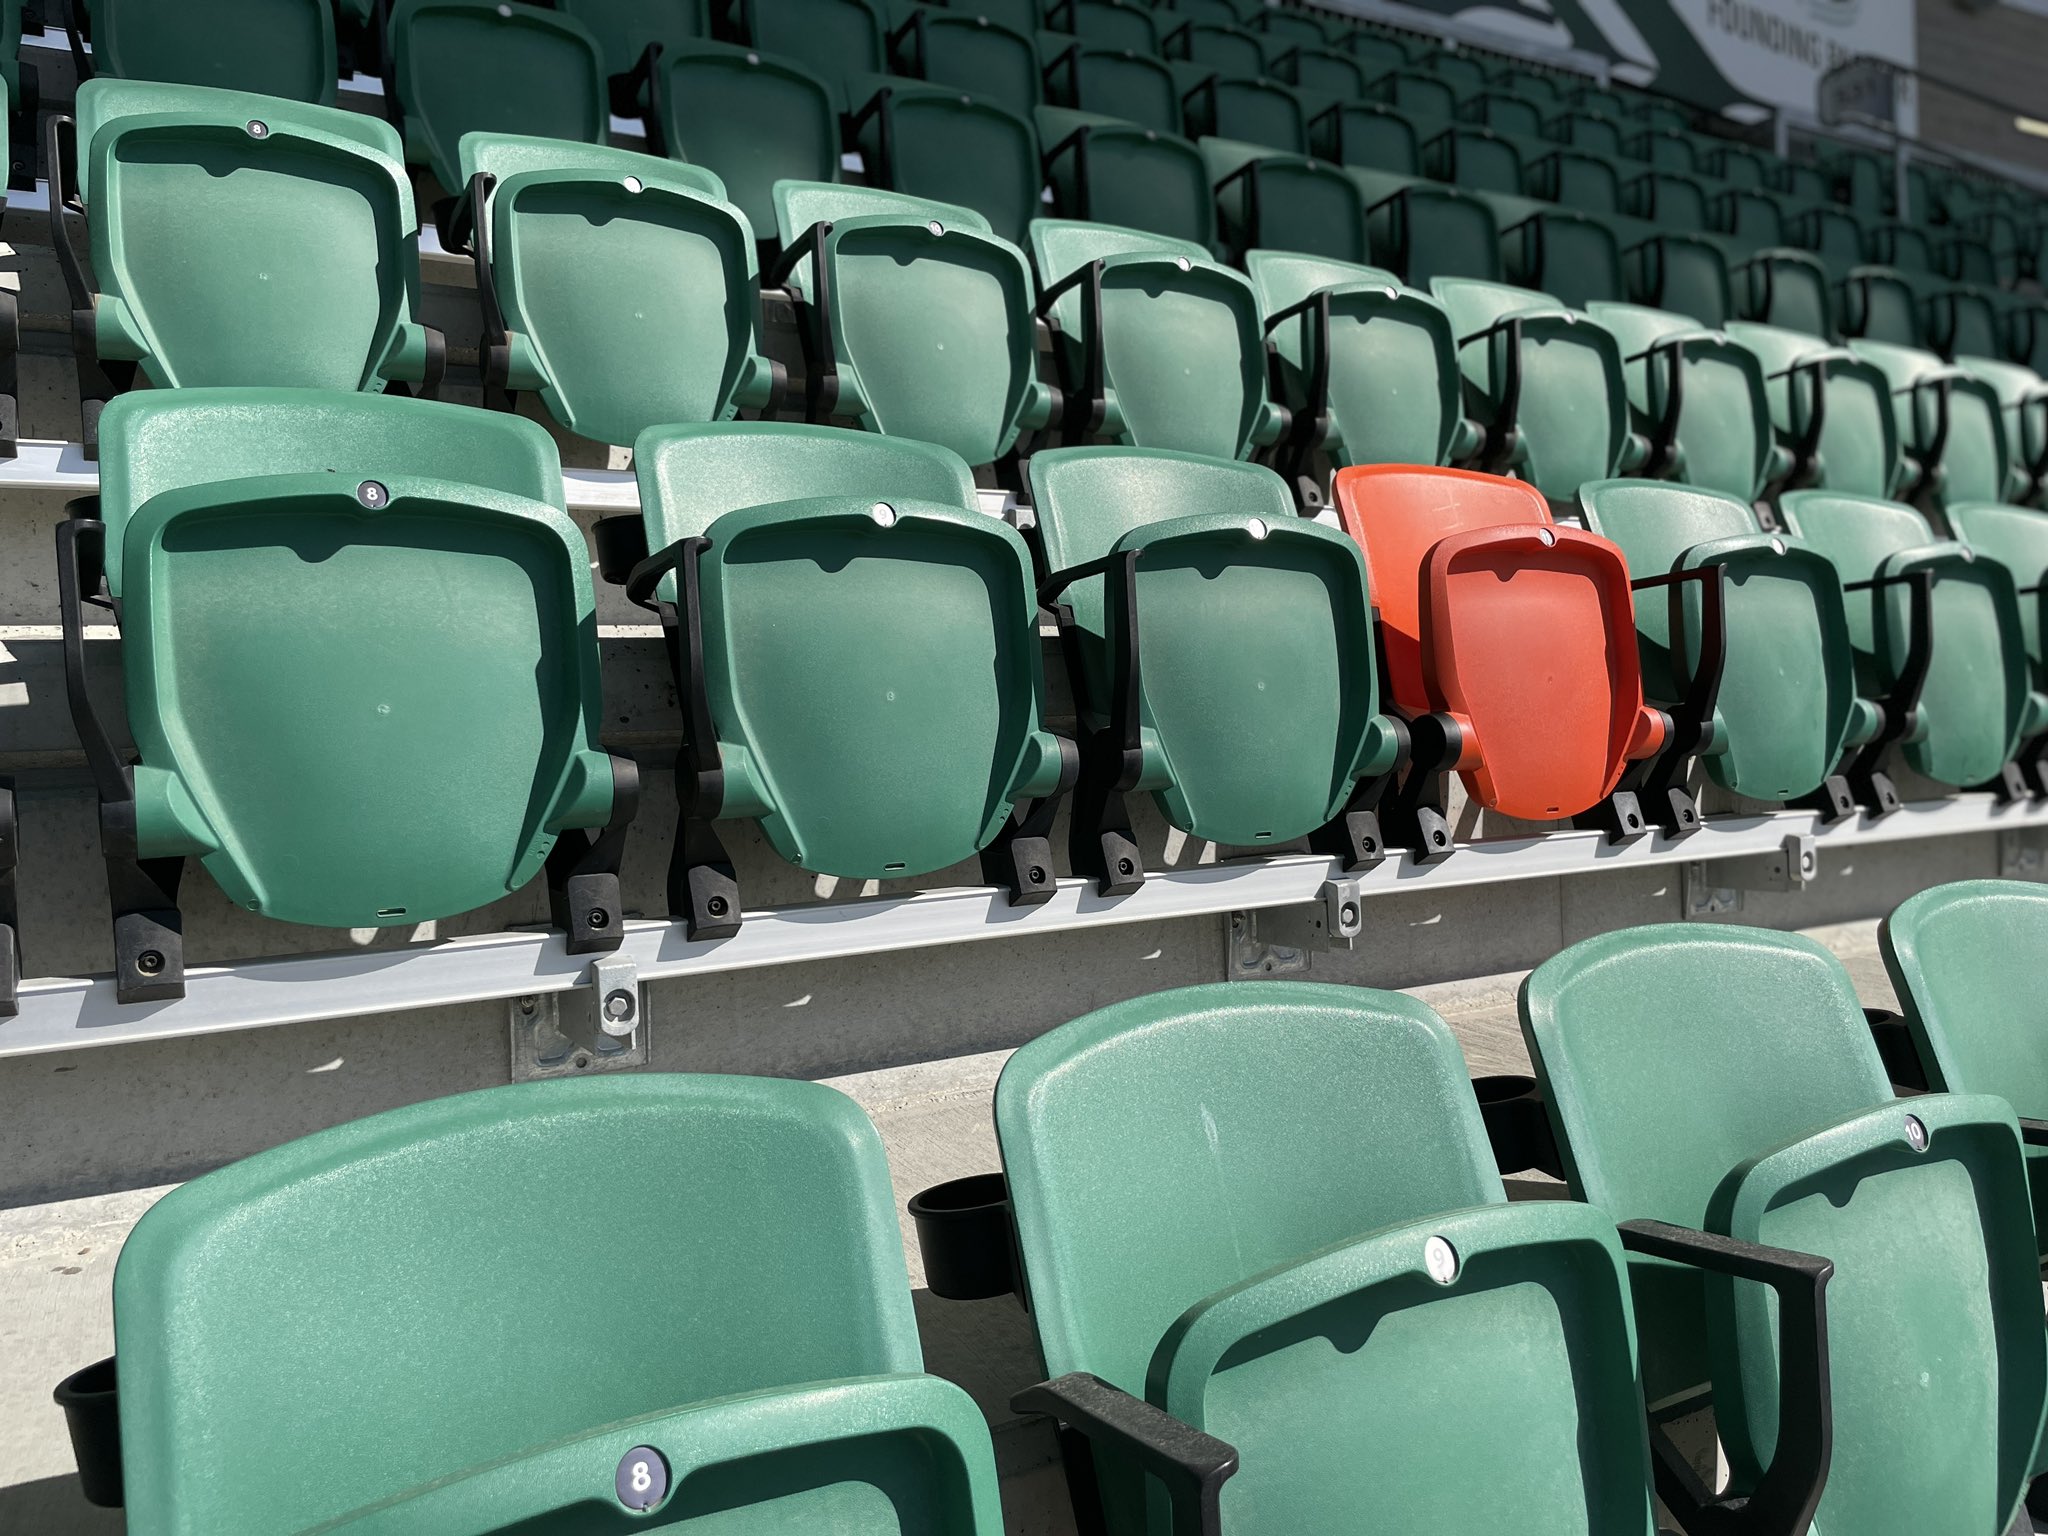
column 1035, row 875
column 150, row 962
column 1348, row 913
column 599, row 918
column 716, row 906
column 1916, row 1133
column 1125, row 867
column 619, row 1005
column 374, row 495
column 1438, row 838
column 1441, row 1260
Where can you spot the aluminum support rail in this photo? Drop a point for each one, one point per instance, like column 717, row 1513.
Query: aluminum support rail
column 68, row 1013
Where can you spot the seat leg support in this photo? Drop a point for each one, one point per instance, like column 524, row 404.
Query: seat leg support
column 1415, row 817
column 1100, row 844
column 1019, row 861
column 149, row 930
column 583, row 872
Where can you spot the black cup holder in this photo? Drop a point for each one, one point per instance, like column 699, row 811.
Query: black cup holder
column 1517, row 1125
column 964, row 1233
column 92, row 1409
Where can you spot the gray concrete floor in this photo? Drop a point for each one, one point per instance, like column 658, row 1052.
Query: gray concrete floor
column 57, row 1264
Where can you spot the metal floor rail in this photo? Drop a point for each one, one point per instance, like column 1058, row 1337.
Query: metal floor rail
column 67, row 1013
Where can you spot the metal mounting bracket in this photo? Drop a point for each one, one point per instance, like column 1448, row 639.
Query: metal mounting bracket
column 594, row 1028
column 1714, row 887
column 1281, row 941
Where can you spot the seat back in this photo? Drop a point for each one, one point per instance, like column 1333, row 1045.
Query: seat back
column 481, row 66
column 1220, row 46
column 1724, row 430
column 260, row 46
column 1673, row 199
column 1425, row 231
column 751, row 118
column 930, row 316
column 1183, row 355
column 1970, row 451
column 1788, row 676
column 1285, row 202
column 1117, row 84
column 1856, row 448
column 1473, row 580
column 1340, row 76
column 1475, row 158
column 1572, row 405
column 1879, row 304
column 2017, row 538
column 1137, row 1278
column 839, row 41
column 972, row 52
column 1975, row 696
column 1417, row 91
column 1368, row 135
column 1155, row 181
column 225, row 255
column 1247, row 108
column 1110, row 23
column 1382, row 339
column 1568, row 255
column 1724, row 1078
column 1788, row 288
column 1686, row 274
column 938, row 143
column 246, row 715
column 1253, row 626
column 382, row 1260
column 626, row 283
column 624, row 28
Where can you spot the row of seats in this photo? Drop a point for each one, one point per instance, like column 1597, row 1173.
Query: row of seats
column 411, row 757
column 1273, row 1271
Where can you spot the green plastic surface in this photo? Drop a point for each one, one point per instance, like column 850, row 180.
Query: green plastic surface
column 1787, row 703
column 1686, row 274
column 489, row 66
column 1148, row 178
column 269, row 47
column 394, row 1263
column 752, row 118
column 1573, row 410
column 1426, row 231
column 1127, row 87
column 1977, row 697
column 1975, row 458
column 1253, row 625
column 1858, row 450
column 227, row 256
column 1282, row 1154
column 624, row 28
column 1247, row 108
column 936, row 142
column 1183, row 354
column 972, row 53
column 836, row 40
column 2017, row 538
column 2024, row 403
column 629, row 294
column 1395, row 393
column 933, row 335
column 1285, row 202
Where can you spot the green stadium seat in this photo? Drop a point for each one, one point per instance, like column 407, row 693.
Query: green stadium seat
column 1941, row 628
column 1249, row 109
column 1960, row 321
column 1590, row 134
column 750, row 118
column 1349, row 1321
column 225, row 519
column 1967, row 259
column 1800, row 182
column 1960, row 960
column 1663, row 117
column 1225, row 49
column 1325, row 71
column 1285, row 202
column 2017, row 538
column 624, row 29
column 1223, row 13
column 1684, row 273
column 1157, row 180
column 1951, row 426
column 1664, row 150
column 1588, row 183
column 1700, row 399
column 1284, row 29
column 1832, row 410
column 1544, row 383
column 968, row 51
column 1423, row 231
column 1467, row 76
column 773, row 1376
column 932, row 141
column 1880, row 304
column 1369, row 135
column 1782, row 286
column 1736, row 165
column 1675, row 200
column 1106, row 23
column 280, row 247
column 1026, row 16
column 1787, row 710
column 1571, row 256
column 1208, row 621
column 1750, row 215
column 1474, row 159
column 2026, row 338
column 1542, row 89
column 1380, row 54
column 1831, row 233
column 2023, row 399
column 1515, row 116
column 917, row 321
column 489, row 66
column 1420, row 94
column 1723, row 1079
column 842, row 42
column 620, row 286
column 1510, row 648
column 1110, row 82
column 1349, row 345
column 265, row 47
column 1907, row 247
column 795, row 568
column 1158, row 345
column 1598, row 102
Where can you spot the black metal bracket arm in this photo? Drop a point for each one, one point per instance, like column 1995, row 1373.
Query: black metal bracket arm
column 703, row 886
column 1663, row 458
column 1077, row 426
column 1353, row 835
column 1194, row 1466
column 1661, row 779
column 1019, row 860
column 1415, row 817
column 1873, row 789
column 1785, row 1497
column 583, row 871
column 1101, row 843
column 10, row 918
column 1497, row 456
column 1311, row 423
column 821, row 362
column 1814, row 369
column 149, row 946
column 96, row 385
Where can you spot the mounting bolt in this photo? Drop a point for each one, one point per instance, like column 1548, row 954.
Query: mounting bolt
column 150, row 962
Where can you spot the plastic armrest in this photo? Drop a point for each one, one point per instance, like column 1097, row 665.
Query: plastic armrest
column 597, row 1469
column 1785, row 1497
column 1194, row 1466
